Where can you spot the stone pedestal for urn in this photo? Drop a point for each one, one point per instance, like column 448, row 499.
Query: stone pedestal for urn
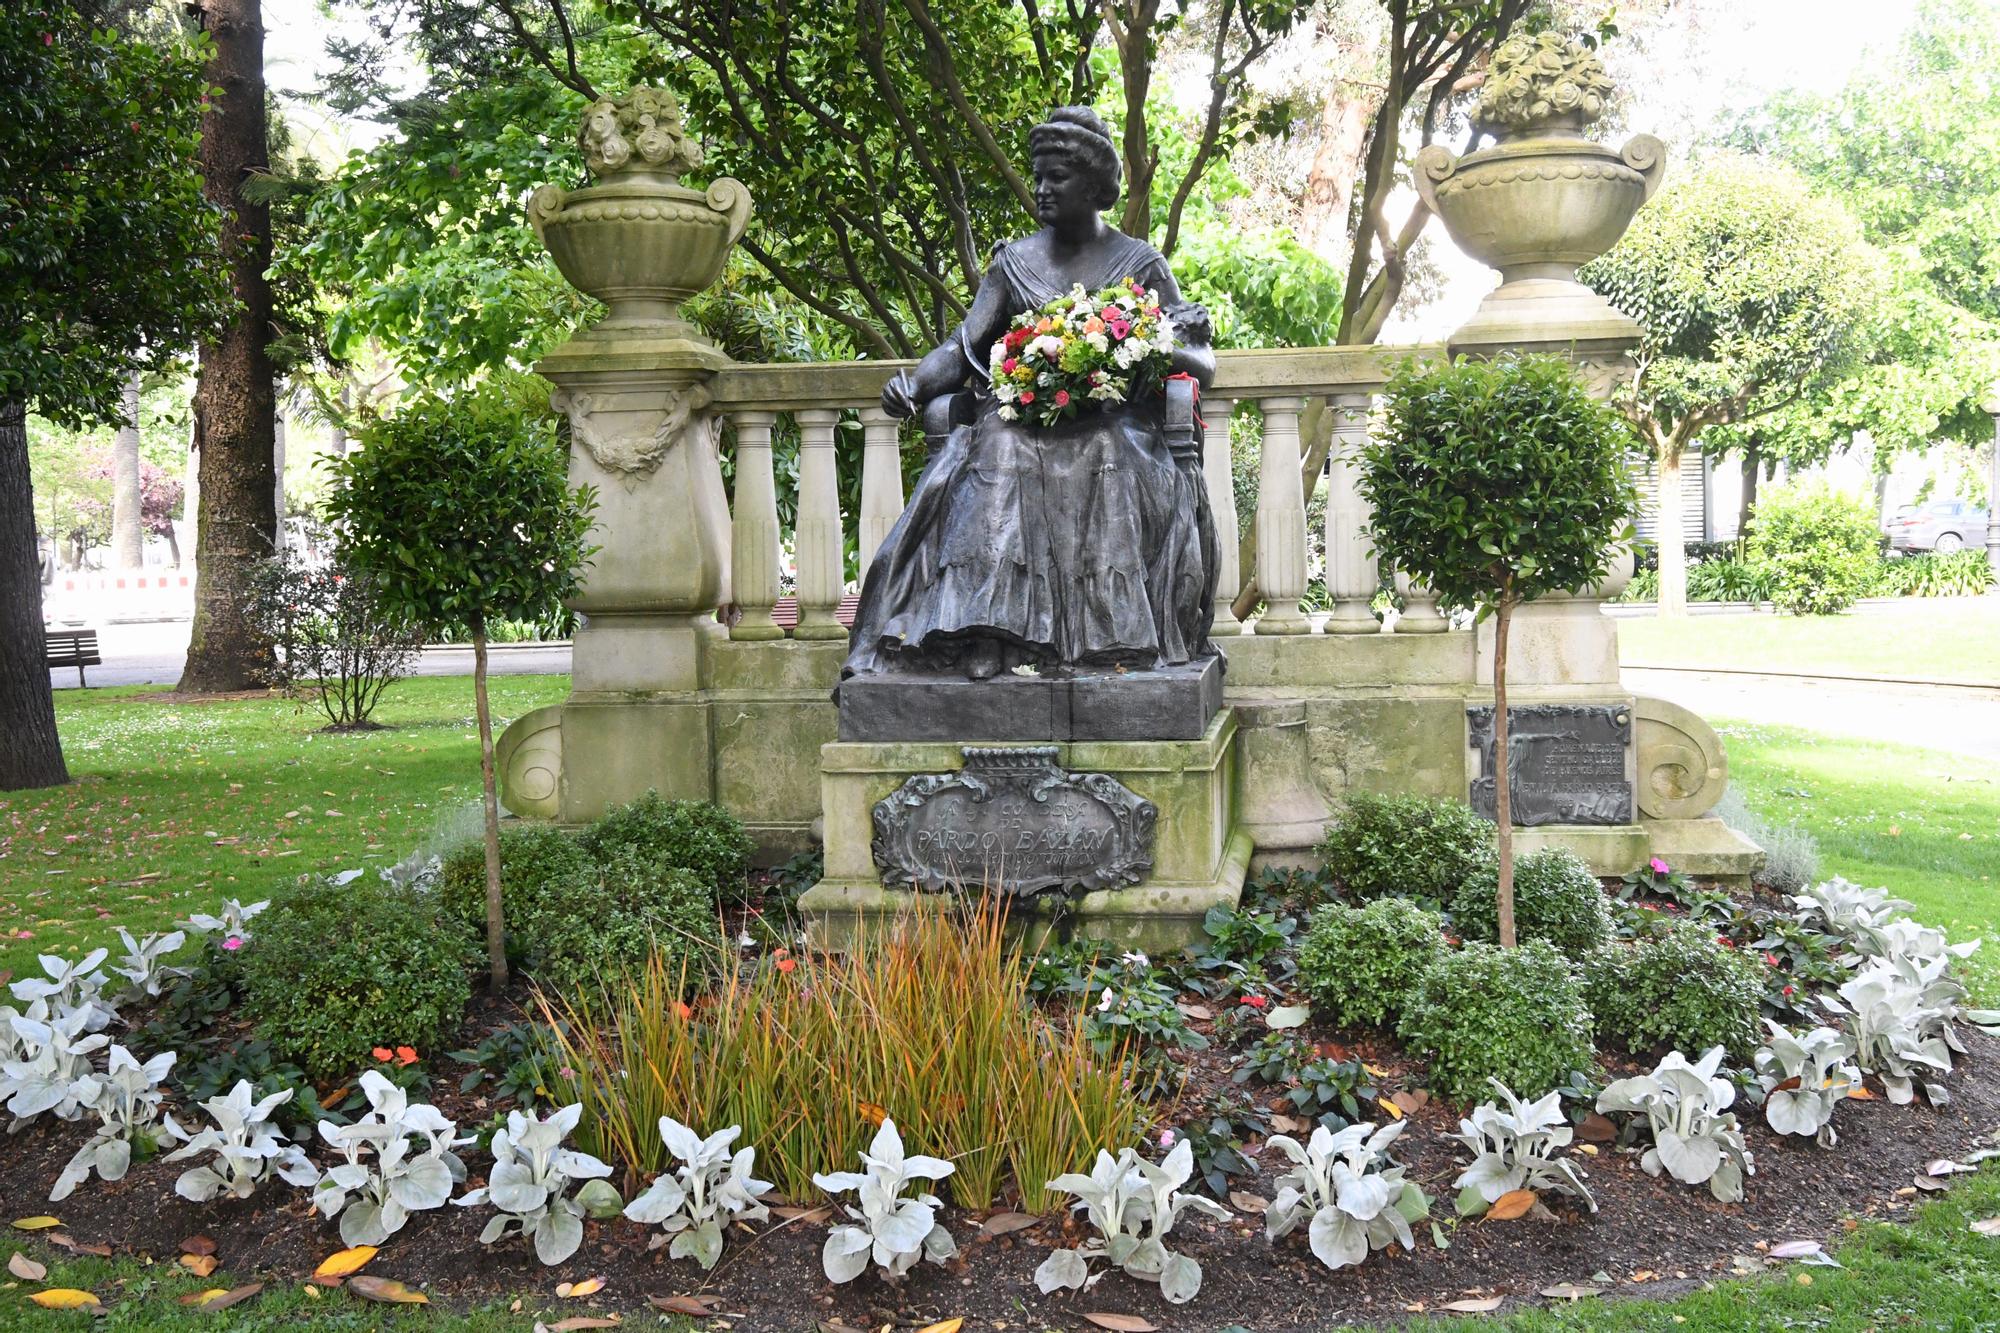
column 635, row 387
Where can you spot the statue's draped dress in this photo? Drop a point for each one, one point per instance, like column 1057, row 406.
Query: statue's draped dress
column 1080, row 544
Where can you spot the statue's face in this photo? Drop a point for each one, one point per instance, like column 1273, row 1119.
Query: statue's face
column 1063, row 192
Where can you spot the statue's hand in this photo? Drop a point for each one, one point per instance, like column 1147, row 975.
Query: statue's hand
column 899, row 395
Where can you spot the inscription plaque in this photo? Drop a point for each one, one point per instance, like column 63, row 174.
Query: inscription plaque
column 1016, row 822
column 1568, row 763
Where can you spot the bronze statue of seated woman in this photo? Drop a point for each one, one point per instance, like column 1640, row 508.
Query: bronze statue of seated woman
column 1083, row 543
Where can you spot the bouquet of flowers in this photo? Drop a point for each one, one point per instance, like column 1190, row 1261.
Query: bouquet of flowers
column 1081, row 351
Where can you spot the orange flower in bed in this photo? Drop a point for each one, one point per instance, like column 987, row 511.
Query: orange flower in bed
column 784, row 960
column 383, row 1053
column 682, row 1011
column 406, row 1055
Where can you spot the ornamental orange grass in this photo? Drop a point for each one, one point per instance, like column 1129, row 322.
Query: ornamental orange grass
column 927, row 1020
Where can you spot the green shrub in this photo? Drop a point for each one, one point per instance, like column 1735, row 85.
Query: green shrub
column 1726, row 580
column 336, row 970
column 1483, row 1012
column 1556, row 898
column 1360, row 963
column 1818, row 549
column 1419, row 847
column 1644, row 587
column 1955, row 574
column 684, row 835
column 1682, row 988
column 571, row 918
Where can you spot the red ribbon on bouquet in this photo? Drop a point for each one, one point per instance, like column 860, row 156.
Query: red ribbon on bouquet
column 1183, row 375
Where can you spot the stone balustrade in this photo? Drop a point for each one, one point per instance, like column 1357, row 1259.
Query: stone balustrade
column 1278, row 392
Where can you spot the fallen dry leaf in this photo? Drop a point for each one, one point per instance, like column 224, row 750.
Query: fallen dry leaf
column 1512, row 1204
column 1987, row 1226
column 1644, row 1275
column 1001, row 1224
column 197, row 1245
column 385, row 1289
column 21, row 1266
column 590, row 1286
column 1929, row 1184
column 1597, row 1129
column 944, row 1326
column 201, row 1265
column 35, row 1223
column 1944, row 1166
column 1123, row 1323
column 203, row 1297
column 697, row 1307
column 1412, row 1101
column 1395, row 1111
column 1570, row 1291
column 1795, row 1249
column 211, row 1301
column 1200, row 1012
column 1287, row 1124
column 345, row 1262
column 872, row 1113
column 1860, row 1094
column 1482, row 1305
column 792, row 1213
column 575, row 1322
column 1248, row 1203
column 64, row 1298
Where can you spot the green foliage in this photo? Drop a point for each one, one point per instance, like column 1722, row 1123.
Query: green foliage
column 575, row 917
column 702, row 839
column 336, row 970
column 1483, row 1012
column 1420, row 847
column 461, row 509
column 1727, row 580
column 1261, row 287
column 1749, row 289
column 1556, row 898
column 1816, row 547
column 1498, row 481
column 108, row 255
column 1360, row 964
column 1683, row 988
column 1957, row 574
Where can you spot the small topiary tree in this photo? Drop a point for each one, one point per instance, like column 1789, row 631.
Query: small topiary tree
column 1359, row 964
column 1421, row 847
column 1816, row 548
column 1556, row 898
column 1497, row 482
column 459, row 506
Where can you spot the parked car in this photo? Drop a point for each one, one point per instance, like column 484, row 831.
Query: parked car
column 1943, row 526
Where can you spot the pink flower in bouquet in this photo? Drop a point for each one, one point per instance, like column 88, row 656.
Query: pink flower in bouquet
column 1062, row 397
column 1010, row 365
column 1027, row 395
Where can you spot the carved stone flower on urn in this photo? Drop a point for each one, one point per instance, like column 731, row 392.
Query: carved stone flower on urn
column 1542, row 199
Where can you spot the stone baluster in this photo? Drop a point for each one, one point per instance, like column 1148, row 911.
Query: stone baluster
column 1420, row 607
column 753, row 544
column 1352, row 576
column 1281, row 521
column 881, row 482
column 1221, row 485
column 819, row 543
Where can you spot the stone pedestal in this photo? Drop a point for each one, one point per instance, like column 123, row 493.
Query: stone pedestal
column 1173, row 704
column 1198, row 858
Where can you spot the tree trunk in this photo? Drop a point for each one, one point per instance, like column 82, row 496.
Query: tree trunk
column 1667, row 531
column 233, row 402
column 336, row 443
column 496, row 933
column 1343, row 129
column 1503, row 780
column 128, row 530
column 31, row 755
column 1747, row 508
column 278, row 441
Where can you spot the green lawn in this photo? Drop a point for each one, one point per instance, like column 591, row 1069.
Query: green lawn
column 1936, row 638
column 177, row 806
column 1923, row 824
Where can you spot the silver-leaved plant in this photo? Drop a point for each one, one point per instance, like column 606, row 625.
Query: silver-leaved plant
column 126, row 1100
column 53, row 1054
column 1696, row 1138
column 708, row 1190
column 1805, row 1076
column 71, row 987
column 413, row 1167
column 247, row 1147
column 1515, row 1148
column 144, row 972
column 893, row 1231
column 1900, row 1014
column 1133, row 1204
column 1344, row 1187
column 531, row 1181
column 232, row 922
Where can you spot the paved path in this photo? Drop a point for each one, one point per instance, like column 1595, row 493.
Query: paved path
column 1962, row 721
column 153, row 654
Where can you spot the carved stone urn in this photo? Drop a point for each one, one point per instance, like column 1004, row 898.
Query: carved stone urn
column 1543, row 199
column 639, row 240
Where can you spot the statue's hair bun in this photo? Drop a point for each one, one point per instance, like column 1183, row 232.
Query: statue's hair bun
column 1082, row 133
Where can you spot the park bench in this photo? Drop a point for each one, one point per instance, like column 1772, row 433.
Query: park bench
column 73, row 648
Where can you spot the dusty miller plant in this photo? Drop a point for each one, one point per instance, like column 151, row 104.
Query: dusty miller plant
column 1845, row 909
column 1347, row 1192
column 126, row 1100
column 232, row 923
column 1515, row 1149
column 530, row 1183
column 71, row 987
column 54, row 1055
column 1696, row 1138
column 247, row 1147
column 1804, row 1077
column 413, row 1170
column 892, row 1230
column 1900, row 1012
column 1133, row 1204
column 708, row 1190
column 142, row 968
